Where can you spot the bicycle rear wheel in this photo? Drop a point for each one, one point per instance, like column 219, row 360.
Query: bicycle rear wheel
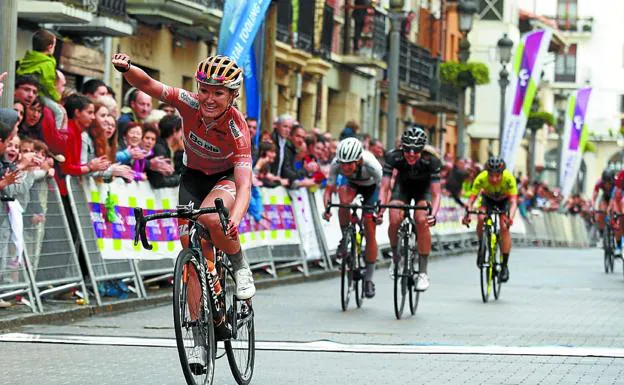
column 414, row 269
column 485, row 267
column 241, row 349
column 192, row 320
column 400, row 275
column 346, row 273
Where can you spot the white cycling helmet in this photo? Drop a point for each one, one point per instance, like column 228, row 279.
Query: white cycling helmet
column 349, row 150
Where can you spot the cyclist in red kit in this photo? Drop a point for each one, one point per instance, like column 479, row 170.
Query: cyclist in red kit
column 217, row 150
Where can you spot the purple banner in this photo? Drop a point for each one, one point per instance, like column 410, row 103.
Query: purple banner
column 531, row 50
column 578, row 119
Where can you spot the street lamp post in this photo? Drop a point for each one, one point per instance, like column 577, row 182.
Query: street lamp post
column 466, row 10
column 560, row 104
column 396, row 16
column 504, row 45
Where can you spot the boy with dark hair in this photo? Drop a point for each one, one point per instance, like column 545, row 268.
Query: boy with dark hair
column 41, row 63
column 95, row 89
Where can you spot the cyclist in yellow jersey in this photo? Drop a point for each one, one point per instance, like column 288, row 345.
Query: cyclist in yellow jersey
column 497, row 187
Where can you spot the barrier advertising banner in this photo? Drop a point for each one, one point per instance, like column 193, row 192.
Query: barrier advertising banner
column 111, row 208
column 525, row 77
column 574, row 139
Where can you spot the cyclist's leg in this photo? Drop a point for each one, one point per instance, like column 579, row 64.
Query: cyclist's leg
column 396, row 216
column 600, row 217
column 191, row 190
column 370, row 195
column 619, row 227
column 346, row 194
column 424, row 242
column 505, row 241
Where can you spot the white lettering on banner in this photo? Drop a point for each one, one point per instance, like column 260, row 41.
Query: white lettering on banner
column 523, row 76
column 245, row 33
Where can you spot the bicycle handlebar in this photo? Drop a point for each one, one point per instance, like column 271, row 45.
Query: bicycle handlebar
column 349, row 206
column 407, row 207
column 488, row 212
column 184, row 212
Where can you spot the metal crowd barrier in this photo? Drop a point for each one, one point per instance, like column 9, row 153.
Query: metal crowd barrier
column 51, row 262
column 49, row 245
column 100, row 270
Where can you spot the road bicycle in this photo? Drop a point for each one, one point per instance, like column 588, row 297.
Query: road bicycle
column 608, row 240
column 217, row 315
column 489, row 255
column 406, row 269
column 352, row 265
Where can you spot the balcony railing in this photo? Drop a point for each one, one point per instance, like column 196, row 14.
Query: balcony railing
column 304, row 39
column 112, row 7
column 565, row 77
column 284, row 20
column 449, row 96
column 366, row 36
column 575, row 24
column 416, row 65
column 327, row 32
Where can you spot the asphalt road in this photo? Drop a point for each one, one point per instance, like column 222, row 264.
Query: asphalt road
column 559, row 321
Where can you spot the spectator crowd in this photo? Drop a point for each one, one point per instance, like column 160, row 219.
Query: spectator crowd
column 53, row 131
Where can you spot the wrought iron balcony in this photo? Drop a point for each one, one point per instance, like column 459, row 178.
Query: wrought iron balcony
column 284, row 21
column 575, row 24
column 327, row 32
column 416, row 66
column 365, row 36
column 112, row 7
column 171, row 12
column 442, row 97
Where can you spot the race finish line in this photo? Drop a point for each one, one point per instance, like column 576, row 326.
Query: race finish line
column 328, row 346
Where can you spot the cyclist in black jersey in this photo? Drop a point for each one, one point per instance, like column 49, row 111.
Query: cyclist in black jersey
column 417, row 178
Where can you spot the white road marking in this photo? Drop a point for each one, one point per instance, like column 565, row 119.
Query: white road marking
column 329, row 346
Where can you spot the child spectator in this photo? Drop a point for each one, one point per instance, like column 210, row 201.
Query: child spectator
column 41, row 62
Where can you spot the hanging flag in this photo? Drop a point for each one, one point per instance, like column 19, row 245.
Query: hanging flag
column 525, row 77
column 574, row 139
column 248, row 24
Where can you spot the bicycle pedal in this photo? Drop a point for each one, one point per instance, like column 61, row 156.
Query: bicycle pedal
column 223, row 331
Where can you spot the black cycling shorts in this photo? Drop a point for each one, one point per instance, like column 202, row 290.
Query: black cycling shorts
column 195, row 185
column 405, row 193
column 489, row 203
column 370, row 195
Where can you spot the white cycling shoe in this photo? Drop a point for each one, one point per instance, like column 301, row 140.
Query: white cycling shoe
column 245, row 287
column 422, row 283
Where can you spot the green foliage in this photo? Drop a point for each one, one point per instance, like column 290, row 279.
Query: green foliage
column 464, row 74
column 590, row 147
column 539, row 118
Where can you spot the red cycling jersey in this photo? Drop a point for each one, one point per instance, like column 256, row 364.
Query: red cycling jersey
column 215, row 146
column 619, row 180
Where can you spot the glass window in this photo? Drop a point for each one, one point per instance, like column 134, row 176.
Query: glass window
column 491, row 9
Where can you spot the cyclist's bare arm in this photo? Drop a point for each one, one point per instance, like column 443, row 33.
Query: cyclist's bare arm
column 137, row 77
column 436, row 197
column 242, row 181
column 384, row 192
column 594, row 197
column 329, row 190
column 513, row 206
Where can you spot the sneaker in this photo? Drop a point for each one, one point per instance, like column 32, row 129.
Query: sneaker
column 504, row 274
column 4, row 304
column 617, row 252
column 245, row 287
column 223, row 331
column 422, row 283
column 369, row 289
column 196, row 359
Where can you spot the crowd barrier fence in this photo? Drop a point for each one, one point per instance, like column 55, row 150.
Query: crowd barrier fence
column 288, row 237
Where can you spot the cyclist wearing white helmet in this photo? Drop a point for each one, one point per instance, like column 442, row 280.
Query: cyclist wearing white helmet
column 418, row 179
column 362, row 172
column 217, row 151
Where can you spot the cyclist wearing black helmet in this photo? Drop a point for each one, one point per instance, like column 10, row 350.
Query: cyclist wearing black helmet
column 607, row 186
column 497, row 187
column 418, row 179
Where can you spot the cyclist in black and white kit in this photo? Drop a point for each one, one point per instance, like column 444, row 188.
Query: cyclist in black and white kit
column 417, row 178
column 362, row 172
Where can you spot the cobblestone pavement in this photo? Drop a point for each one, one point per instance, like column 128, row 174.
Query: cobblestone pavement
column 556, row 297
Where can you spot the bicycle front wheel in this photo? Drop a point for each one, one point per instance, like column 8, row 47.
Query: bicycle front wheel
column 192, row 320
column 400, row 276
column 485, row 267
column 496, row 261
column 414, row 270
column 241, row 349
column 346, row 272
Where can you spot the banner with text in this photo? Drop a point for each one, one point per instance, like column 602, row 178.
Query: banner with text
column 525, row 77
column 574, row 139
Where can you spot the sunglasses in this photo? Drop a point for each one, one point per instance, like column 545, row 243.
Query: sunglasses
column 410, row 150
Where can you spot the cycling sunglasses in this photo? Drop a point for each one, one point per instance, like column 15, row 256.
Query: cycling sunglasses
column 411, row 150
